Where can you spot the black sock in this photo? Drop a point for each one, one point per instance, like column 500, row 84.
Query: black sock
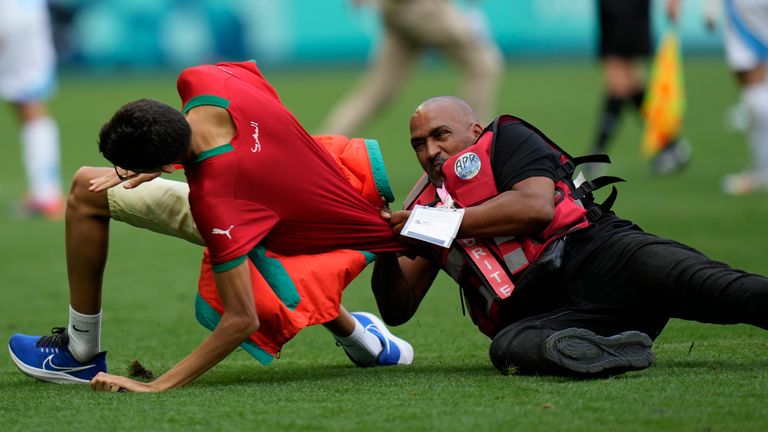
column 637, row 98
column 609, row 118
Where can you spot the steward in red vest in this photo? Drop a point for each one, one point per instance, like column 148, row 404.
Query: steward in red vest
column 562, row 285
column 489, row 269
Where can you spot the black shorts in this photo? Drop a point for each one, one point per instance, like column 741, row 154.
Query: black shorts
column 625, row 28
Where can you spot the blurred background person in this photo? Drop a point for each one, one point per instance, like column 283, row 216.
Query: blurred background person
column 27, row 79
column 624, row 45
column 746, row 49
column 410, row 28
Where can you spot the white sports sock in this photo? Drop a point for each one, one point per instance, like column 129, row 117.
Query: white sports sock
column 756, row 99
column 40, row 150
column 361, row 345
column 84, row 335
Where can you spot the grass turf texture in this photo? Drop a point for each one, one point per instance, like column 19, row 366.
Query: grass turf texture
column 706, row 377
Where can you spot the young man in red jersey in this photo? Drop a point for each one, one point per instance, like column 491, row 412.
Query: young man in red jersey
column 256, row 178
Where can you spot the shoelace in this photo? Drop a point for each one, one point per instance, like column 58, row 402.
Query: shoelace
column 58, row 339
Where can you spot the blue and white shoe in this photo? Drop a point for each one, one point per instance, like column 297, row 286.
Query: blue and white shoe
column 395, row 350
column 47, row 358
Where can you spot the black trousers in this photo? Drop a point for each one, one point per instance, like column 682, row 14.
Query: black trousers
column 633, row 281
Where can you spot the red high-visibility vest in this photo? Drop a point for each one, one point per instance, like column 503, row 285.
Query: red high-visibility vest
column 492, row 267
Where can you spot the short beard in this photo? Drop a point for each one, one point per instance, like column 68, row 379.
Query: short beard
column 437, row 178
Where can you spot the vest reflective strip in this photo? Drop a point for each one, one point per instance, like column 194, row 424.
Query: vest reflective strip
column 515, row 260
column 492, row 271
column 514, row 256
column 501, row 240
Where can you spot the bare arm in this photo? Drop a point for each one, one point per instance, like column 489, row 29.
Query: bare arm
column 110, row 179
column 400, row 284
column 527, row 207
column 237, row 323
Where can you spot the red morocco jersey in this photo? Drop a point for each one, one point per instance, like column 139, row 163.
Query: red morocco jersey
column 272, row 184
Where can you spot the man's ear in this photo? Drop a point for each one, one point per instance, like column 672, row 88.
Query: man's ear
column 169, row 168
column 477, row 129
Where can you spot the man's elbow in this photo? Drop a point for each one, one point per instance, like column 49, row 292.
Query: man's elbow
column 243, row 324
column 541, row 217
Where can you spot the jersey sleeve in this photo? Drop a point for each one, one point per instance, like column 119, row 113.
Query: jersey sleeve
column 521, row 153
column 202, row 85
column 231, row 228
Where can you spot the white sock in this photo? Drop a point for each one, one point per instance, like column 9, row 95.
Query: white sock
column 40, row 150
column 84, row 335
column 756, row 99
column 361, row 345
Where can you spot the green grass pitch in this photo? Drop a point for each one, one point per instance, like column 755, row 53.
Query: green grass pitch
column 706, row 377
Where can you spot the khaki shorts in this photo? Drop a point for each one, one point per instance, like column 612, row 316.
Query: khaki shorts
column 159, row 205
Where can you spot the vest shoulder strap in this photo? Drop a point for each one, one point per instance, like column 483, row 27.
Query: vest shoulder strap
column 604, row 207
column 585, row 190
column 506, row 118
column 567, row 168
column 416, row 191
column 568, row 162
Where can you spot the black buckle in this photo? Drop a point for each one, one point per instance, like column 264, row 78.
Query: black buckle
column 583, row 190
column 587, row 187
column 594, row 213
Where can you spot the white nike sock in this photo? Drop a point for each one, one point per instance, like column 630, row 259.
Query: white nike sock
column 40, row 150
column 84, row 335
column 756, row 99
column 361, row 345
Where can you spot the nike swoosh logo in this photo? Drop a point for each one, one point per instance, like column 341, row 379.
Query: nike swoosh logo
column 376, row 331
column 78, row 330
column 54, row 368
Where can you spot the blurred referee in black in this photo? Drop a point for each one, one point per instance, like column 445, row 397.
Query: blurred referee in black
column 624, row 45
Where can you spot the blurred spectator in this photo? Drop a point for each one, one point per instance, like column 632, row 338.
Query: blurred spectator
column 27, row 78
column 410, row 28
column 63, row 27
column 746, row 48
column 625, row 41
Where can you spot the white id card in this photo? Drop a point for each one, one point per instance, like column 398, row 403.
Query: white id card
column 434, row 225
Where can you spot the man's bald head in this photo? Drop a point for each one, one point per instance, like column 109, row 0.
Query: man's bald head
column 452, row 104
column 440, row 128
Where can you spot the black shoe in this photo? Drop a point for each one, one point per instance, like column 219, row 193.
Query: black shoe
column 584, row 352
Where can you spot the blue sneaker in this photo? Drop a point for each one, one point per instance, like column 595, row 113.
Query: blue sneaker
column 47, row 358
column 396, row 351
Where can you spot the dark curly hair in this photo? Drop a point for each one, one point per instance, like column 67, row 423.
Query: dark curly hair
column 145, row 135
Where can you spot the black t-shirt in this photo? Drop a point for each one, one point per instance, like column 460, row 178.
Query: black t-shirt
column 521, row 153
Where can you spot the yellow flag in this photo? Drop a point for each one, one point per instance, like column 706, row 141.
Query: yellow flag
column 664, row 103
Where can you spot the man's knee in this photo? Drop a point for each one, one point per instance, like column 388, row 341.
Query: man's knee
column 81, row 200
column 518, row 348
column 574, row 352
